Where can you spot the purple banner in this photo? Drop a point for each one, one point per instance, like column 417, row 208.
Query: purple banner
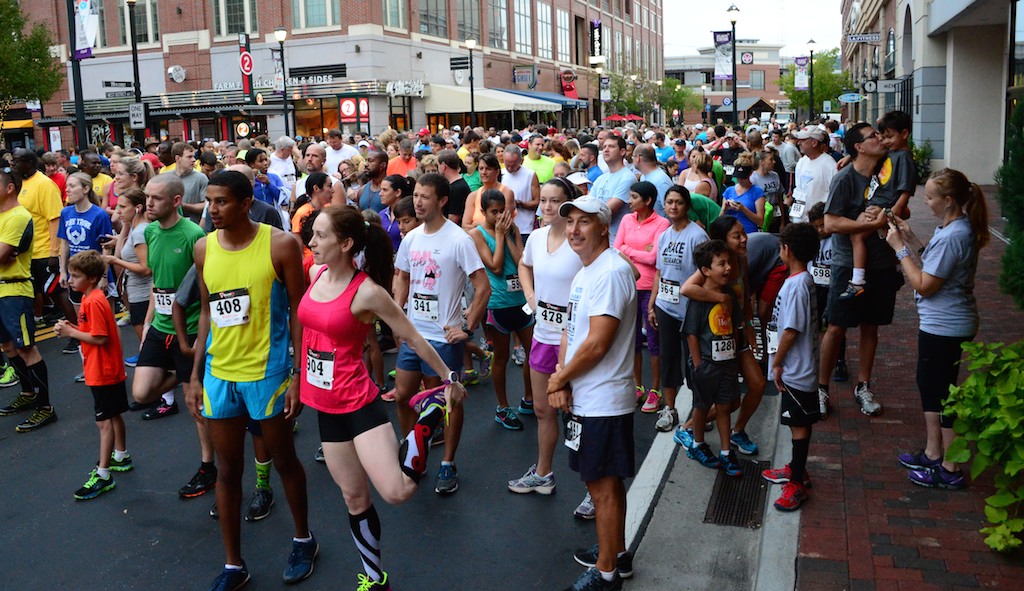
column 723, row 55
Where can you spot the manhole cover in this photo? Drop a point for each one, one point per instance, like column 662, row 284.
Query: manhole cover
column 739, row 501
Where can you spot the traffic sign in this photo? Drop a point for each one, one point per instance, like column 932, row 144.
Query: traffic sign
column 851, row 97
column 726, row 102
column 245, row 63
column 826, row 106
column 458, row 63
column 864, row 38
column 259, row 98
column 242, row 129
column 137, row 115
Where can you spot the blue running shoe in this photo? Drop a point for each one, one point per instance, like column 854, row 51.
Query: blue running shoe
column 447, row 481
column 684, row 437
column 743, row 443
column 301, row 560
column 701, row 453
column 730, row 466
column 231, row 579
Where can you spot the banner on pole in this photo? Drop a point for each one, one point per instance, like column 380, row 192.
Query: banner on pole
column 87, row 26
column 723, row 55
column 606, row 88
column 800, row 78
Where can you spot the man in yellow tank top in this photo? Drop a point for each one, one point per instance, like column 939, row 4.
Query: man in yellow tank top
column 250, row 279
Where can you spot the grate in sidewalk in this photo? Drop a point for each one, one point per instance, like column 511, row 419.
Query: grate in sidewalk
column 739, row 501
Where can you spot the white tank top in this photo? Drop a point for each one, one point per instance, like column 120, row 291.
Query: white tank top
column 521, row 183
column 691, row 186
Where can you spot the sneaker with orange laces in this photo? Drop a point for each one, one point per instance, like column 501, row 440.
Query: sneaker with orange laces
column 793, row 495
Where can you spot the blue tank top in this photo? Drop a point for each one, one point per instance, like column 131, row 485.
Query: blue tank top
column 506, row 291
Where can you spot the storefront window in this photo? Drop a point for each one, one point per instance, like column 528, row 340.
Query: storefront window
column 313, row 117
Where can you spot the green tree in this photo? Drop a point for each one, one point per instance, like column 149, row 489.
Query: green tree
column 829, row 81
column 634, row 93
column 27, row 70
column 1010, row 178
column 673, row 95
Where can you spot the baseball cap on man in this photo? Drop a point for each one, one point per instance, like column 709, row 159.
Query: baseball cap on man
column 364, row 144
column 578, row 178
column 423, row 131
column 587, row 205
column 817, row 132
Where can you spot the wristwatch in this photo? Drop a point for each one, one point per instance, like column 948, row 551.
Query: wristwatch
column 453, row 378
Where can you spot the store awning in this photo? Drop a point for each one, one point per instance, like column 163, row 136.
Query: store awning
column 455, row 99
column 566, row 102
column 16, row 124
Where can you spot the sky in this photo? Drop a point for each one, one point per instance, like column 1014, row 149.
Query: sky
column 788, row 22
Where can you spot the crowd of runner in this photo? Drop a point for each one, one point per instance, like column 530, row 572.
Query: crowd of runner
column 263, row 278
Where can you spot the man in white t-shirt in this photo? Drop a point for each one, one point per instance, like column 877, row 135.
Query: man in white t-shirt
column 281, row 162
column 337, row 151
column 594, row 382
column 434, row 262
column 315, row 159
column 813, row 174
column 525, row 187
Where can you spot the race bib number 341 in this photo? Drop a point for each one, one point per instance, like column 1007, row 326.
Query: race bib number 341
column 425, row 307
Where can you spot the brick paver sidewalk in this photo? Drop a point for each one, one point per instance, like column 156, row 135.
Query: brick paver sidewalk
column 866, row 526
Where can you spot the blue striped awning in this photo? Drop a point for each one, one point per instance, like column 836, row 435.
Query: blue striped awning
column 566, row 102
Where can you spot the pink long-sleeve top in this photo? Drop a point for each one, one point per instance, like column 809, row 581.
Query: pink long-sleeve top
column 633, row 239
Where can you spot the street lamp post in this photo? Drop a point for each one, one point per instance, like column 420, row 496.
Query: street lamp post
column 704, row 103
column 810, row 86
column 734, row 13
column 471, row 45
column 136, row 133
column 281, row 34
column 76, row 83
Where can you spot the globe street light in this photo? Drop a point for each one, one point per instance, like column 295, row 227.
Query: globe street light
column 281, row 34
column 471, row 45
column 733, row 13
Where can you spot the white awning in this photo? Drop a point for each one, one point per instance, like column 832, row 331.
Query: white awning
column 455, row 99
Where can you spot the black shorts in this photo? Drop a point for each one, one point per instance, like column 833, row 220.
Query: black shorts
column 160, row 349
column 799, row 408
column 673, row 348
column 109, row 401
column 874, row 307
column 606, row 448
column 339, row 428
column 137, row 312
column 714, row 383
column 821, row 299
column 508, row 320
column 43, row 281
column 16, row 323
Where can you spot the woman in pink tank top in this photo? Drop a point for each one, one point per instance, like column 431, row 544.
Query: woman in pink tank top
column 337, row 313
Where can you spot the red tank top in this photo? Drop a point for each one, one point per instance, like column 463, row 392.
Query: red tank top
column 334, row 378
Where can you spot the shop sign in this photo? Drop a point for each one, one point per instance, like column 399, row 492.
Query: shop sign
column 242, row 129
column 350, row 105
column 568, row 79
column 405, row 88
column 525, row 75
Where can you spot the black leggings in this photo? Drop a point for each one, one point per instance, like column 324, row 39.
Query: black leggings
column 937, row 369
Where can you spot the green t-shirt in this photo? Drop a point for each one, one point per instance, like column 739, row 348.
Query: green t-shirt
column 543, row 167
column 703, row 210
column 718, row 171
column 170, row 257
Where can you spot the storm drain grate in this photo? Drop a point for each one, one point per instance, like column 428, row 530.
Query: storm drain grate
column 739, row 501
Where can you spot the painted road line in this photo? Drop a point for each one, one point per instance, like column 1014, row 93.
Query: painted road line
column 646, row 488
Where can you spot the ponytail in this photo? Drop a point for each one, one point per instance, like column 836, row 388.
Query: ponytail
column 977, row 215
column 377, row 251
column 968, row 196
column 368, row 238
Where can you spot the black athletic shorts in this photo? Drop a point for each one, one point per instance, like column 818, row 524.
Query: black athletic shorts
column 137, row 312
column 109, row 401
column 874, row 307
column 160, row 349
column 799, row 408
column 339, row 428
column 43, row 281
column 714, row 383
column 606, row 448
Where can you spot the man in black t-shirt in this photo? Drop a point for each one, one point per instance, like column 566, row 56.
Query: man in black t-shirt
column 450, row 166
column 847, row 212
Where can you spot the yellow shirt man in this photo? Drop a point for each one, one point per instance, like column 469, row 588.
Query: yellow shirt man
column 16, row 230
column 100, row 185
column 41, row 197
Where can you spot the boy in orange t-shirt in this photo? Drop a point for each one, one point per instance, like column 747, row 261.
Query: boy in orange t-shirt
column 104, row 369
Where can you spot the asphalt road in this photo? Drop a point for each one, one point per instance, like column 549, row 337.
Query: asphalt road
column 143, row 536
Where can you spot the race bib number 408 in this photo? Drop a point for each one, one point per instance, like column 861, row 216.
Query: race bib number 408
column 229, row 308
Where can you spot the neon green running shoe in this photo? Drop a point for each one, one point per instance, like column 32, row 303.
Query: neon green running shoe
column 94, row 487
column 9, row 377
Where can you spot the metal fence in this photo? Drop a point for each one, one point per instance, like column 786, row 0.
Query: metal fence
column 904, row 95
